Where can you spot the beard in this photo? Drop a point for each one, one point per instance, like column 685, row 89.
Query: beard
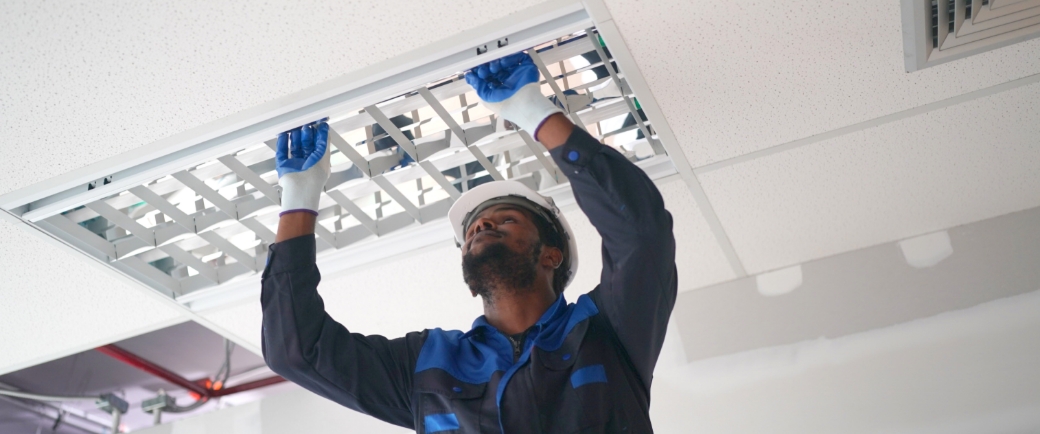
column 498, row 270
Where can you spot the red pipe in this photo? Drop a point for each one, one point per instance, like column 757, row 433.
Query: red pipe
column 247, row 386
column 151, row 368
column 161, row 372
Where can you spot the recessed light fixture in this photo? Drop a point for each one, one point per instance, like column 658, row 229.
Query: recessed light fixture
column 195, row 223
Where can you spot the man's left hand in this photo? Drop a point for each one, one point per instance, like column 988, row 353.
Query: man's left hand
column 509, row 87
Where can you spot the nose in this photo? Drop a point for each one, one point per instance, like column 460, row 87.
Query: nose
column 482, row 224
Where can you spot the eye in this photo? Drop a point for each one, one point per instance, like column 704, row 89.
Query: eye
column 509, row 219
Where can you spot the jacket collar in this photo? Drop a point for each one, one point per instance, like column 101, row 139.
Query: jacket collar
column 555, row 311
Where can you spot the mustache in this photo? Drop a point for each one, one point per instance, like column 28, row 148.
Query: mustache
column 496, row 232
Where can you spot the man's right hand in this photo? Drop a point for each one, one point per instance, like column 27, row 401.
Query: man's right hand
column 303, row 165
column 509, row 87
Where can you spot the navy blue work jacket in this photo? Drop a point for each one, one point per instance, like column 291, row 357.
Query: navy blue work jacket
column 585, row 367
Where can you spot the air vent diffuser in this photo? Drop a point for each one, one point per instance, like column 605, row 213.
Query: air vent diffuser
column 938, row 31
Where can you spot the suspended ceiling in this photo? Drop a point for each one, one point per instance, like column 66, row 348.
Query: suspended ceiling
column 124, row 75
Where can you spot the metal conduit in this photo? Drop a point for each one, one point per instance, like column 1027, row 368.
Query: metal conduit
column 195, row 387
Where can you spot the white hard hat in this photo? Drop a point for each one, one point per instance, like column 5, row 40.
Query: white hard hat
column 513, row 192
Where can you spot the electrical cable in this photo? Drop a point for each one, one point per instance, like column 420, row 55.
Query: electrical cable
column 80, row 420
column 48, row 398
column 174, row 408
column 228, row 348
column 223, row 373
column 225, row 369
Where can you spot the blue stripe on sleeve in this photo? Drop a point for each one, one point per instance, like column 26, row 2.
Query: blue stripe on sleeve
column 588, row 374
column 441, row 422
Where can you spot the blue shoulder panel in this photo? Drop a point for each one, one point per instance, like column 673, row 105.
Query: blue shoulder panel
column 555, row 331
column 468, row 361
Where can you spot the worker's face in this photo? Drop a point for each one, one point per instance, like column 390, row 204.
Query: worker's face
column 501, row 224
column 503, row 250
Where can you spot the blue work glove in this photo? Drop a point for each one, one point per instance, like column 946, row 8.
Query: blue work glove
column 303, row 165
column 499, row 79
column 509, row 87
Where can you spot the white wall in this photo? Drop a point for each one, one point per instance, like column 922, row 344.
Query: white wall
column 968, row 371
column 244, row 419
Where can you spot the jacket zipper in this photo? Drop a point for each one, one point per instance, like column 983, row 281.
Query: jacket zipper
column 518, row 345
column 516, row 348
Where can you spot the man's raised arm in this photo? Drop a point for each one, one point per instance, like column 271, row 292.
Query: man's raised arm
column 638, row 285
column 301, row 342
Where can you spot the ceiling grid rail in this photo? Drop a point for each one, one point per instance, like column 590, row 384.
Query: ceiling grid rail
column 608, row 30
column 207, row 225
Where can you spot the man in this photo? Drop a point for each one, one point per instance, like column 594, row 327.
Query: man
column 532, row 363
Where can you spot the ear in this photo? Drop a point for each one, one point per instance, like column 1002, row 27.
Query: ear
column 552, row 257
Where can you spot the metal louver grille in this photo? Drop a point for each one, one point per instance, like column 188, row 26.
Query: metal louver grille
column 938, row 31
column 398, row 165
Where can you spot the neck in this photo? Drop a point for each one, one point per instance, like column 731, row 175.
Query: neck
column 513, row 312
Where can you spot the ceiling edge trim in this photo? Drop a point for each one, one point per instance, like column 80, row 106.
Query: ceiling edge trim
column 89, row 345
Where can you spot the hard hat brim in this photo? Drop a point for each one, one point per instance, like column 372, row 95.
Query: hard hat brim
column 480, row 194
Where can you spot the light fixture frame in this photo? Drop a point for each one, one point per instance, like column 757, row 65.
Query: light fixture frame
column 35, row 204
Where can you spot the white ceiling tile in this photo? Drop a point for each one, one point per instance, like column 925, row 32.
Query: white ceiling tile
column 84, row 82
column 734, row 77
column 944, row 168
column 54, row 303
